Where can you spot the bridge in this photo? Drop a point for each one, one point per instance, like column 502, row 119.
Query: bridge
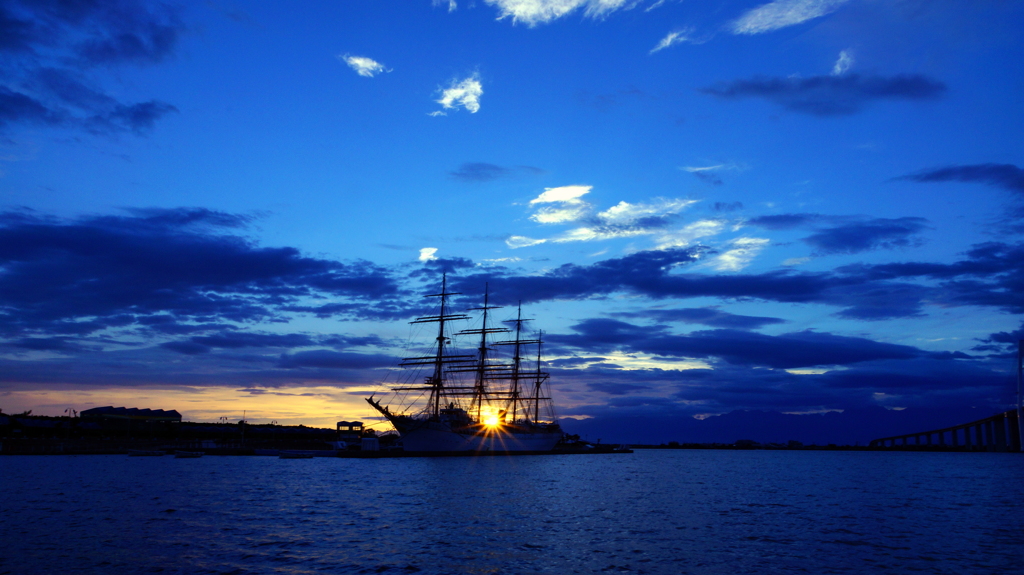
column 1000, row 432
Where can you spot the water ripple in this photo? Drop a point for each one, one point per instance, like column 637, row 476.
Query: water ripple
column 700, row 512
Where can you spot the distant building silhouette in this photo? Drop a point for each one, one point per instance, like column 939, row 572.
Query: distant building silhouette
column 131, row 413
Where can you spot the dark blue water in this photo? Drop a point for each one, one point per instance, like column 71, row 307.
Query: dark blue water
column 699, row 512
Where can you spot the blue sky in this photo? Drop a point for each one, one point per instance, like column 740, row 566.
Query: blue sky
column 798, row 205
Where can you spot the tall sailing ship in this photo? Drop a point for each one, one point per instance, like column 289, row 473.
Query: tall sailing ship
column 477, row 401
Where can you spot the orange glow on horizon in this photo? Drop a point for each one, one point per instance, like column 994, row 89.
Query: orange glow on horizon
column 315, row 406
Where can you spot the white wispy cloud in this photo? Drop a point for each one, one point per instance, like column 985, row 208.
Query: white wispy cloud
column 690, row 233
column 657, row 4
column 568, row 205
column 783, row 13
column 843, row 63
column 795, row 261
column 564, row 204
column 590, row 234
column 696, row 169
column 562, row 194
column 503, row 260
column 709, row 174
column 625, row 213
column 534, row 12
column 675, row 37
column 636, row 361
column 809, row 371
column 364, row 66
column 427, row 254
column 740, row 255
column 562, row 214
column 463, row 93
column 451, row 4
column 515, row 242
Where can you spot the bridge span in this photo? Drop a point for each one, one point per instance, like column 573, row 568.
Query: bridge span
column 1001, row 432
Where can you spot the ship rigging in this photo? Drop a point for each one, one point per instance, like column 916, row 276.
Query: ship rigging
column 503, row 408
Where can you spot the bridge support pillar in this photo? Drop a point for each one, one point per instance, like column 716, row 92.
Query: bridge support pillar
column 1014, row 430
column 999, row 425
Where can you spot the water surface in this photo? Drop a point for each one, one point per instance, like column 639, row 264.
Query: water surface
column 679, row 511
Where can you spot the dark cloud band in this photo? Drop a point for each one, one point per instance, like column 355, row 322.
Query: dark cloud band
column 830, row 95
column 1006, row 176
column 51, row 53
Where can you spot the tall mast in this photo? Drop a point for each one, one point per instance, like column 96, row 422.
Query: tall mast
column 438, row 379
column 540, row 378
column 517, row 373
column 479, row 389
column 435, row 382
column 516, row 363
column 483, row 371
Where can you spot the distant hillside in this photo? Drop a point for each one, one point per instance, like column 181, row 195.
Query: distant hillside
column 851, row 427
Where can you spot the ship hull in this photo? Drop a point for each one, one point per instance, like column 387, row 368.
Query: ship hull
column 438, row 437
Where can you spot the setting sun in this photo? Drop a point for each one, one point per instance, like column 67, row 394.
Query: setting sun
column 490, row 417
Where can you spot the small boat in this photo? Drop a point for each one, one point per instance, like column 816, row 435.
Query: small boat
column 145, row 453
column 295, row 455
column 187, row 454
